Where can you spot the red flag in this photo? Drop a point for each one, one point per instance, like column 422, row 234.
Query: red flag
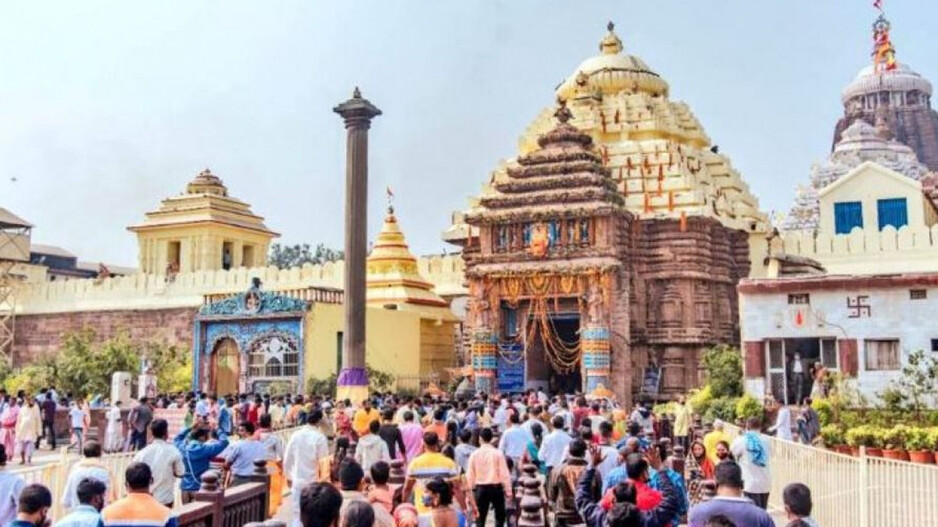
column 878, row 4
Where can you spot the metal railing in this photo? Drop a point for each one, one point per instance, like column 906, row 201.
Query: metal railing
column 849, row 491
column 54, row 473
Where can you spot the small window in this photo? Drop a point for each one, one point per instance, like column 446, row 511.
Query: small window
column 934, row 345
column 881, row 354
column 918, row 294
column 893, row 212
column 847, row 215
column 800, row 299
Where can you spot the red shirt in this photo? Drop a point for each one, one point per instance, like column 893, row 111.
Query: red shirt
column 252, row 414
column 646, row 498
column 578, row 414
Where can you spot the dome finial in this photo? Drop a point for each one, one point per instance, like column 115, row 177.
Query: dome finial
column 563, row 113
column 610, row 45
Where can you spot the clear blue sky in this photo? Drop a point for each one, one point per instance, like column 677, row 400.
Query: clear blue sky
column 107, row 107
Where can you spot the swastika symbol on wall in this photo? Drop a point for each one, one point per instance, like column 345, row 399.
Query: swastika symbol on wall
column 859, row 306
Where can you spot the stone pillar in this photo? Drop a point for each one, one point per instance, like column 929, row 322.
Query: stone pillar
column 484, row 359
column 357, row 114
column 596, row 362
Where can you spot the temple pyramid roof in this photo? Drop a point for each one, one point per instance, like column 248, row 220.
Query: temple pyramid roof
column 205, row 201
column 564, row 178
column 393, row 278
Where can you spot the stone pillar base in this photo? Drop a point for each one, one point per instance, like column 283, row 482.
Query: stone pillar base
column 352, row 384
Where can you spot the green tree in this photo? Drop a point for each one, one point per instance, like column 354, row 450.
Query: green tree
column 83, row 366
column 914, row 389
column 172, row 366
column 724, row 366
column 286, row 256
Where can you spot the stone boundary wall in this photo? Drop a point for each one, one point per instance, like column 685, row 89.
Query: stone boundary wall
column 147, row 292
column 40, row 334
column 906, row 250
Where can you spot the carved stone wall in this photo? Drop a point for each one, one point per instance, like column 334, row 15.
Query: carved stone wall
column 684, row 298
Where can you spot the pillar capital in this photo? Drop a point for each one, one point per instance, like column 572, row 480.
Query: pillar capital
column 357, row 111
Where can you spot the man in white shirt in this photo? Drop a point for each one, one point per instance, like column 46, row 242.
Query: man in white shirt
column 609, row 452
column 500, row 418
column 165, row 463
column 554, row 444
column 514, row 441
column 752, row 453
column 301, row 459
column 534, row 419
column 89, row 466
column 78, row 418
column 782, row 426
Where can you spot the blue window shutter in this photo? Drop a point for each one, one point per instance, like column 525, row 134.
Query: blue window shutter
column 893, row 212
column 847, row 215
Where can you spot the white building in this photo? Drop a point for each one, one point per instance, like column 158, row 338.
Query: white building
column 853, row 281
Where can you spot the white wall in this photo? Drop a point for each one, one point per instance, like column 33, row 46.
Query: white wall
column 893, row 315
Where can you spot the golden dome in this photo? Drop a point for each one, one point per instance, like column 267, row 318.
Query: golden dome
column 612, row 71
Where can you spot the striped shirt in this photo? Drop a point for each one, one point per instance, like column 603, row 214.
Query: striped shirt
column 425, row 467
column 137, row 509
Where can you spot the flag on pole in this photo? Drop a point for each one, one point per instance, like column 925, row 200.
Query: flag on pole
column 878, row 4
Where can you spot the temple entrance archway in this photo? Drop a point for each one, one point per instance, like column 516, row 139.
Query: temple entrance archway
column 226, row 366
column 553, row 358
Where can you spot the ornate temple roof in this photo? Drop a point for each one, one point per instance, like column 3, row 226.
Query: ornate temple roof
column 393, row 276
column 205, row 200
column 654, row 149
column 860, row 142
column 564, row 178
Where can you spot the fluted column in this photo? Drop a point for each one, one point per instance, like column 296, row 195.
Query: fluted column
column 357, row 113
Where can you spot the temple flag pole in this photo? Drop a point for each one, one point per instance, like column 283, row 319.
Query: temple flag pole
column 357, row 113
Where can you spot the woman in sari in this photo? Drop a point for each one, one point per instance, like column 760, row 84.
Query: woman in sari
column 343, row 423
column 8, row 426
column 273, row 446
column 329, row 465
column 697, row 469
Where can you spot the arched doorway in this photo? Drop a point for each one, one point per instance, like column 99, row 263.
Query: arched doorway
column 226, row 367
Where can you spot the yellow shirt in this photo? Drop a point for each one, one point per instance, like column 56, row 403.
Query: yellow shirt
column 364, row 418
column 682, row 420
column 710, row 443
column 425, row 467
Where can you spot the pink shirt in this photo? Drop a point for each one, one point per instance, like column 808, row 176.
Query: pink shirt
column 412, row 434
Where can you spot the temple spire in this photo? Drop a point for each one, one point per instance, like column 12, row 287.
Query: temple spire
column 884, row 53
column 611, row 44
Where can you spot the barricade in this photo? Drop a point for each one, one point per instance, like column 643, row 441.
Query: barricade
column 851, row 491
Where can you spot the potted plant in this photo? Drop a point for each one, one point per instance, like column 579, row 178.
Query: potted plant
column 861, row 436
column 833, row 437
column 933, row 440
column 894, row 443
column 919, row 446
column 875, row 446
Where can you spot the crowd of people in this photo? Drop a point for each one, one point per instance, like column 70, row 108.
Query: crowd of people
column 601, row 465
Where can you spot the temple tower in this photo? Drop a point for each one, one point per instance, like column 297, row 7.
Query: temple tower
column 357, row 113
column 550, row 268
column 894, row 94
column 202, row 229
column 694, row 230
